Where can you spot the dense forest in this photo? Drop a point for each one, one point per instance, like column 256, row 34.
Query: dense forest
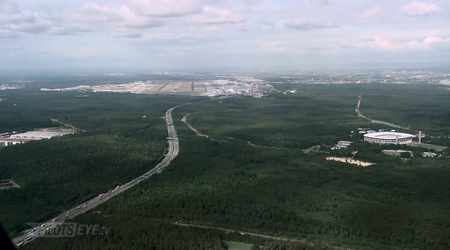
column 118, row 145
column 269, row 186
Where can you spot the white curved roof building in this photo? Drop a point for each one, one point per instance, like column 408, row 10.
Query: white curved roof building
column 388, row 138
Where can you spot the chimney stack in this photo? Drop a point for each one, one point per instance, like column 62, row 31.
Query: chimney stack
column 420, row 136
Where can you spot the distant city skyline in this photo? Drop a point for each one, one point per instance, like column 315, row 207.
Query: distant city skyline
column 53, row 34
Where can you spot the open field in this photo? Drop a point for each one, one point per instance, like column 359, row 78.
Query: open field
column 429, row 146
column 238, row 245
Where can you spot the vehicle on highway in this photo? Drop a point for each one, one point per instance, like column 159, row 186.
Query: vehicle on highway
column 100, row 196
column 55, row 219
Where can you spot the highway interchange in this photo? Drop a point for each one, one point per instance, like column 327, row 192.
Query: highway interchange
column 45, row 227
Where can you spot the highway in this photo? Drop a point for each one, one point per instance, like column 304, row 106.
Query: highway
column 172, row 152
column 184, row 119
column 360, row 114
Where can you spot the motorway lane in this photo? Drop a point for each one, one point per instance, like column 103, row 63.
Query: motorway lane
column 173, row 150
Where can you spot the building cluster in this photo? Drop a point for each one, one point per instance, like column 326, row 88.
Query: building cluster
column 341, row 145
column 366, row 77
column 232, row 87
column 8, row 86
column 392, row 137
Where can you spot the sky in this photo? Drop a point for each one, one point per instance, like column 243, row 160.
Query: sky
column 147, row 34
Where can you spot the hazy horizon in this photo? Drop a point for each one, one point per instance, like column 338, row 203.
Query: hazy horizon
column 234, row 34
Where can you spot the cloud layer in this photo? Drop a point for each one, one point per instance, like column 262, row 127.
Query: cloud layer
column 197, row 33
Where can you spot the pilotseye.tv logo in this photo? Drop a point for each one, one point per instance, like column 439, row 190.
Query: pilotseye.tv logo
column 67, row 230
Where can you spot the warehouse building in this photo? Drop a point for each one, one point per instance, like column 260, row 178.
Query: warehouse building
column 38, row 135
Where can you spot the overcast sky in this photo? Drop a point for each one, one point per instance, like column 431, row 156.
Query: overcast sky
column 222, row 33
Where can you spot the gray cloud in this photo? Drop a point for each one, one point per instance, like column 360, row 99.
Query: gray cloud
column 31, row 28
column 8, row 34
column 418, row 8
column 12, row 49
column 252, row 2
column 70, row 30
column 304, row 26
column 162, row 8
column 265, row 22
column 128, row 35
column 213, row 15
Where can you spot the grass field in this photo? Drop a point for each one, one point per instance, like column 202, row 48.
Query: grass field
column 238, row 245
column 430, row 146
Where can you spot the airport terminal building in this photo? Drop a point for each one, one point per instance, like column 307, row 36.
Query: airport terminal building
column 388, row 138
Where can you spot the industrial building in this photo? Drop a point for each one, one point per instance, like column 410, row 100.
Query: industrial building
column 38, row 135
column 429, row 154
column 341, row 145
column 388, row 138
column 8, row 140
column 397, row 152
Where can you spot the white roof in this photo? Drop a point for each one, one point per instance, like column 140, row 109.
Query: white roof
column 40, row 134
column 389, row 135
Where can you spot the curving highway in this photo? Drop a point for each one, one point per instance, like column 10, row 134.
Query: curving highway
column 172, row 152
column 360, row 114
